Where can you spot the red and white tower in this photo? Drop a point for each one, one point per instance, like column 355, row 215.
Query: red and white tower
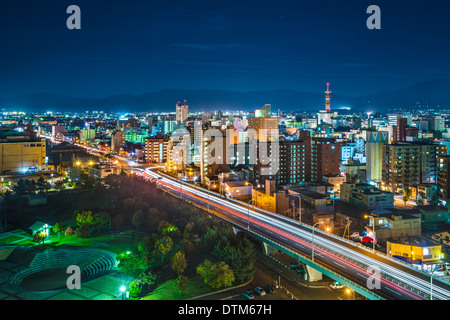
column 327, row 98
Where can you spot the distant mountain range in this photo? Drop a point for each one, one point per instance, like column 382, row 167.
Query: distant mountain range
column 433, row 93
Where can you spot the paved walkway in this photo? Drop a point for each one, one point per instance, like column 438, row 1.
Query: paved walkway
column 16, row 233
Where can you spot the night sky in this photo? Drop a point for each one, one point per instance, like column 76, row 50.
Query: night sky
column 138, row 46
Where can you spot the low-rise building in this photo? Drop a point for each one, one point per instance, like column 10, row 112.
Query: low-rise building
column 416, row 250
column 432, row 213
column 317, row 201
column 22, row 154
column 270, row 199
column 366, row 196
column 237, row 189
column 336, row 180
column 393, row 224
column 102, row 171
column 442, row 237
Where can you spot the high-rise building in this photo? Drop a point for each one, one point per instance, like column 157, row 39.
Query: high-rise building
column 437, row 123
column 400, row 129
column 325, row 156
column 181, row 112
column 294, row 164
column 118, row 140
column 443, row 178
column 264, row 124
column 374, row 143
column 407, row 164
column 156, row 149
column 213, row 156
column 87, row 134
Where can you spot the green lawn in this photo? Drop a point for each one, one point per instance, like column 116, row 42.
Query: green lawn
column 196, row 287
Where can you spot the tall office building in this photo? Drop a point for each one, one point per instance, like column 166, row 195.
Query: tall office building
column 374, row 143
column 181, row 112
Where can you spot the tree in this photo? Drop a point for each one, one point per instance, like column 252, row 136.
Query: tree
column 84, row 217
column 406, row 194
column 146, row 245
column 117, row 220
column 58, row 228
column 130, row 263
column 137, row 219
column 31, row 187
column 179, row 262
column 180, row 284
column 241, row 258
column 39, row 237
column 163, row 246
column 146, row 278
column 216, row 275
column 101, row 219
column 20, row 188
column 135, row 289
column 69, row 232
column 189, row 242
column 83, row 231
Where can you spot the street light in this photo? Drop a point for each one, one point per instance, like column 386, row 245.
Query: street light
column 431, row 282
column 312, row 253
column 373, row 231
column 248, row 214
column 350, row 293
column 123, row 289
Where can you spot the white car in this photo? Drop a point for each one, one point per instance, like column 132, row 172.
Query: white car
column 336, row 285
column 354, row 235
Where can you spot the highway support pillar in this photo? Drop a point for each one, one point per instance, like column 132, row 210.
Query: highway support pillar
column 312, row 274
column 268, row 250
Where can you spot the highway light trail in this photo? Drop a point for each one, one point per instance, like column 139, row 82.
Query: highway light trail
column 296, row 240
column 404, row 277
column 292, row 233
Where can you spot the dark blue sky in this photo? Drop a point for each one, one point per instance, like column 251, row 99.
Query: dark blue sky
column 138, row 46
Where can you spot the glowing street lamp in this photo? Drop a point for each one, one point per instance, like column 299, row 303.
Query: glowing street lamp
column 123, row 289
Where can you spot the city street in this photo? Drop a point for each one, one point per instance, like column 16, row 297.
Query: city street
column 293, row 287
